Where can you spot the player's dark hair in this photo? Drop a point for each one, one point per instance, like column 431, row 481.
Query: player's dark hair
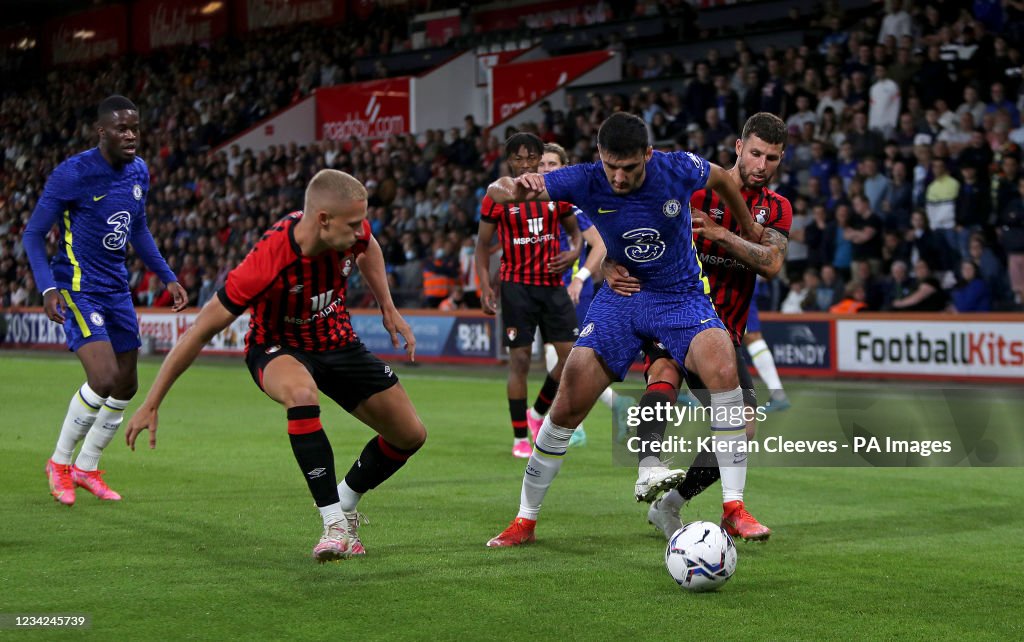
column 623, row 135
column 114, row 103
column 768, row 127
column 557, row 150
column 531, row 142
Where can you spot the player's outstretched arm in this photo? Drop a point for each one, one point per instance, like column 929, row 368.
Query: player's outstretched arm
column 724, row 185
column 528, row 187
column 371, row 265
column 213, row 318
column 482, row 256
column 765, row 257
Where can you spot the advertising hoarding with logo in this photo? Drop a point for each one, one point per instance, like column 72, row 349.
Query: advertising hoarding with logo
column 960, row 347
column 465, row 337
column 798, row 345
column 370, row 110
column 517, row 85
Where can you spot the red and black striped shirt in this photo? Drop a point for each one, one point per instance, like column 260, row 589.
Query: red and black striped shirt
column 529, row 233
column 297, row 301
column 732, row 283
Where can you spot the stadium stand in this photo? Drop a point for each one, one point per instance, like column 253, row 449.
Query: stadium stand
column 896, row 126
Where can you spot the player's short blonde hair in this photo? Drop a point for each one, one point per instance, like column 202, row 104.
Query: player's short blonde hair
column 559, row 151
column 331, row 184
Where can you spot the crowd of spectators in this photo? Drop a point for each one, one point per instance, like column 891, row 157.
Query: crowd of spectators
column 902, row 163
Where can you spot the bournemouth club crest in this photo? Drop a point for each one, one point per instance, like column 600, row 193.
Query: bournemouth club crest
column 511, row 333
column 761, row 214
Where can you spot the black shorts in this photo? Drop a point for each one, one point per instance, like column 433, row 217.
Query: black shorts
column 654, row 351
column 525, row 307
column 348, row 376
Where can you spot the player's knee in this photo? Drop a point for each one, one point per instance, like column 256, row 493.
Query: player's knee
column 663, row 370
column 126, row 388
column 519, row 361
column 103, row 383
column 412, row 438
column 300, row 396
column 723, row 375
column 565, row 412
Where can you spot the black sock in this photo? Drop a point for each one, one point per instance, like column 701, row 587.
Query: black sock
column 702, row 474
column 313, row 451
column 517, row 409
column 658, row 394
column 545, row 396
column 378, row 461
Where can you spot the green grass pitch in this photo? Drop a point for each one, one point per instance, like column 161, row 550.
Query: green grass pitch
column 213, row 538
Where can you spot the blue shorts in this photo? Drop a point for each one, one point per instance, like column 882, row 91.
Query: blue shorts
column 617, row 326
column 586, row 298
column 101, row 317
column 753, row 320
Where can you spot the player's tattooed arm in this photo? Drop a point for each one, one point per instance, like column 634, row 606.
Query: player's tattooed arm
column 765, row 257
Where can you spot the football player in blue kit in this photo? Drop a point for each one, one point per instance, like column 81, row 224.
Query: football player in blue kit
column 638, row 200
column 580, row 285
column 98, row 201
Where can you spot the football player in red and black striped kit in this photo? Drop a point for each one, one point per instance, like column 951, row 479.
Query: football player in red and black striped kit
column 731, row 264
column 532, row 293
column 301, row 339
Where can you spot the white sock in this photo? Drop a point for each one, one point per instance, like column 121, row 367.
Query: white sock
column 608, row 397
column 349, row 498
column 727, row 425
column 651, row 461
column 108, row 420
column 761, row 355
column 536, row 416
column 548, row 453
column 82, row 411
column 673, row 500
column 331, row 513
column 550, row 357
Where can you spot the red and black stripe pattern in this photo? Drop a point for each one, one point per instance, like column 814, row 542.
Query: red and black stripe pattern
column 296, row 301
column 732, row 283
column 528, row 233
